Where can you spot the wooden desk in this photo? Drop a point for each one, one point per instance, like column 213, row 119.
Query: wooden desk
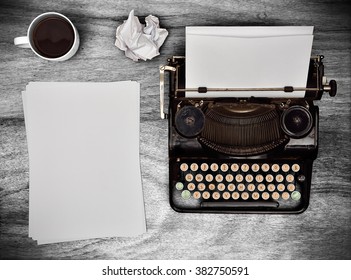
column 322, row 232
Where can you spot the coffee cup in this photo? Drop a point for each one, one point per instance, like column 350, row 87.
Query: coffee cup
column 51, row 36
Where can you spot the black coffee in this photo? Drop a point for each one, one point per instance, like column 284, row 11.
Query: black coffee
column 53, row 37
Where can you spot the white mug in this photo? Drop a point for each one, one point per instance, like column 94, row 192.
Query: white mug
column 68, row 47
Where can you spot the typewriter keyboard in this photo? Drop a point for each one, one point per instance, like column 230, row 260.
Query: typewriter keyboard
column 208, row 184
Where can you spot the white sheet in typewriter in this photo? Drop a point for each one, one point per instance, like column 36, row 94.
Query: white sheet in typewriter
column 247, row 57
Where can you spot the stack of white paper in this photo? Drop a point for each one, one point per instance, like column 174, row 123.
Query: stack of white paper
column 83, row 144
column 248, row 57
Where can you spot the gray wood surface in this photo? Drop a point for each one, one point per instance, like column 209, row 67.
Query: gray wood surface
column 322, row 232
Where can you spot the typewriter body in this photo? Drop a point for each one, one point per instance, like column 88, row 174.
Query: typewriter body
column 241, row 155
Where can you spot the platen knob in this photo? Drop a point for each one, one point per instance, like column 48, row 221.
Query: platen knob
column 333, row 88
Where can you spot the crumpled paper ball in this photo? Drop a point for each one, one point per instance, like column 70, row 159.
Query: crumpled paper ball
column 140, row 41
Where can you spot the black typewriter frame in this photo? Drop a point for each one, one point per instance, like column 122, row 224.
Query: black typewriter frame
column 316, row 85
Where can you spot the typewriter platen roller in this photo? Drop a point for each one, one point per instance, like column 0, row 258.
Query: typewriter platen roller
column 241, row 155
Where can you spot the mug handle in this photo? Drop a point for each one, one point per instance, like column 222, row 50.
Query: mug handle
column 22, row 42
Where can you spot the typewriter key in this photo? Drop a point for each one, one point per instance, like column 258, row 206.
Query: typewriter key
column 196, row 195
column 255, row 195
column 235, row 195
column 265, row 195
column 245, row 167
column 212, row 187
column 189, row 121
column 251, row 187
column 204, row 166
column 245, row 196
column 239, row 178
column 296, row 195
column 201, row 187
column 255, row 167
column 234, row 167
column 291, row 187
column 184, row 167
column 249, row 178
column 290, row 178
column 194, row 167
column 205, row 195
column 279, row 178
column 209, row 177
column 259, row 178
column 191, row 186
column 261, row 187
column 231, row 187
column 221, row 187
column 179, row 186
column 275, row 195
column 275, row 167
column 229, row 178
column 285, row 167
column 295, row 167
column 189, row 177
column 219, row 178
column 241, row 187
column 226, row 195
column 265, row 167
column 271, row 187
column 285, row 195
column 269, row 178
column 216, row 195
column 199, row 177
column 224, row 167
column 214, row 167
column 281, row 187
column 186, row 194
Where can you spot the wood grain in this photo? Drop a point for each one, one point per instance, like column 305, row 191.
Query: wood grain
column 322, row 232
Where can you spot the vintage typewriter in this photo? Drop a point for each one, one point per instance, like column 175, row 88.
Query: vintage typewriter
column 241, row 155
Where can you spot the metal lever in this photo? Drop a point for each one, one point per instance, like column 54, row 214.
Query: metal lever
column 163, row 68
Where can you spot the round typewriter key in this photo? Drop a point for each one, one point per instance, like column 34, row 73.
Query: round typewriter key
column 212, row 187
column 255, row 167
column 199, row 177
column 216, row 195
column 269, row 178
column 214, row 167
column 241, row 187
column 189, row 177
column 245, row 196
column 204, row 166
column 271, row 187
column 259, row 178
column 295, row 167
column 226, row 195
column 290, row 178
column 301, row 178
column 296, row 195
column 285, row 167
column 189, row 121
column 279, row 178
column 245, row 167
column 281, row 187
column 261, row 187
column 221, row 187
column 251, row 187
column 179, row 186
column 234, row 167
column 255, row 195
column 235, row 195
column 206, row 195
column 209, row 177
column 231, row 187
column 194, row 167
column 291, row 187
column 275, row 195
column 186, row 194
column 224, row 167
column 265, row 195
column 285, row 195
column 184, row 167
column 219, row 178
column 191, row 186
column 249, row 178
column 275, row 167
column 239, row 178
column 196, row 195
column 229, row 178
column 265, row 167
column 201, row 187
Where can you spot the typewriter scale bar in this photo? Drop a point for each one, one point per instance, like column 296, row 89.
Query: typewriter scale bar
column 240, row 187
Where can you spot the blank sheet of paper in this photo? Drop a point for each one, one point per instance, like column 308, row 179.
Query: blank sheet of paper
column 83, row 144
column 247, row 57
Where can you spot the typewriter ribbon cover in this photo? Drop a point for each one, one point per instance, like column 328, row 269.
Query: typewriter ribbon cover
column 243, row 129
